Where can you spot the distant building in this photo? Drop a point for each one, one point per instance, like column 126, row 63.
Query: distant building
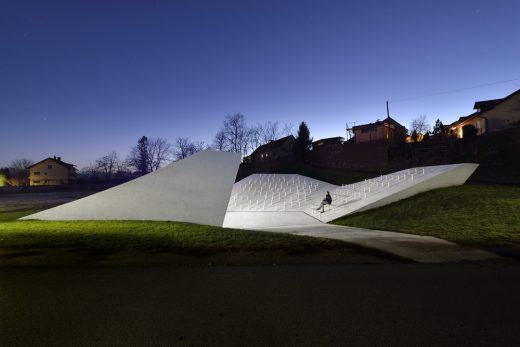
column 273, row 150
column 51, row 172
column 409, row 139
column 327, row 144
column 380, row 130
column 491, row 115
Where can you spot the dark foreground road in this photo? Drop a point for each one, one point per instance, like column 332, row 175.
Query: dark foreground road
column 395, row 304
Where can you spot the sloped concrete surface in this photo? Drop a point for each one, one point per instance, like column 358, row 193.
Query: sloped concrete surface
column 422, row 249
column 268, row 219
column 195, row 189
column 290, row 193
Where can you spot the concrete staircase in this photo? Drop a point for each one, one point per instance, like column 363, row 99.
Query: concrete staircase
column 290, row 193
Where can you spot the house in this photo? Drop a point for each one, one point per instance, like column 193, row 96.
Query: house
column 380, row 130
column 327, row 144
column 410, row 139
column 491, row 115
column 273, row 150
column 51, row 172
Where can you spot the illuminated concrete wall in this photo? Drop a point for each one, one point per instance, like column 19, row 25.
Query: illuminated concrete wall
column 200, row 189
column 267, row 200
column 196, row 190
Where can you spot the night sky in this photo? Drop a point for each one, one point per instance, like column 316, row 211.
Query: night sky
column 79, row 79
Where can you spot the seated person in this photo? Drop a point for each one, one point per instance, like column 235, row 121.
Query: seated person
column 327, row 200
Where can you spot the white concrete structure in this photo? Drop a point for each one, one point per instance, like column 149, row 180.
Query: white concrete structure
column 272, row 200
column 199, row 189
column 195, row 189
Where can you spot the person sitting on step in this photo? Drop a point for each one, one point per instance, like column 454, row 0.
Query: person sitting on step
column 326, row 201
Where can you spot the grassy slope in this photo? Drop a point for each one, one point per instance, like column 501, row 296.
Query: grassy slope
column 475, row 215
column 180, row 238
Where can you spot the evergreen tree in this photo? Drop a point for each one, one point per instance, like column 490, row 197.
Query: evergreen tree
column 438, row 129
column 142, row 158
column 303, row 143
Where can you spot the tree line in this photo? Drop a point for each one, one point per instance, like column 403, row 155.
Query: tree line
column 149, row 154
column 235, row 135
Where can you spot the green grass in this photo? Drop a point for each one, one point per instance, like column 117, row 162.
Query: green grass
column 473, row 215
column 13, row 215
column 180, row 238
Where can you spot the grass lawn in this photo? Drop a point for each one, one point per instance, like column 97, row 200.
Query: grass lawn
column 152, row 237
column 475, row 215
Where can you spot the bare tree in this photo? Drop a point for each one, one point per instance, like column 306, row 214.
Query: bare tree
column 219, row 143
column 236, row 133
column 19, row 170
column 183, row 148
column 108, row 164
column 236, row 136
column 287, row 129
column 419, row 125
column 88, row 172
column 265, row 133
column 149, row 154
column 255, row 137
column 200, row 146
column 21, row 164
column 269, row 132
column 159, row 153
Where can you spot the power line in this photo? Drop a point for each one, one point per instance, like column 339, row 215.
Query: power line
column 455, row 90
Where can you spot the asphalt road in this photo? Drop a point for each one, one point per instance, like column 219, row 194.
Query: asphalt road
column 387, row 304
column 38, row 200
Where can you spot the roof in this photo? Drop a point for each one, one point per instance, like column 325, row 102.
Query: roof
column 331, row 139
column 274, row 144
column 464, row 119
column 71, row 166
column 389, row 120
column 486, row 105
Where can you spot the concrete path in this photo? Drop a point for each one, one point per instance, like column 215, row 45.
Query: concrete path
column 422, row 249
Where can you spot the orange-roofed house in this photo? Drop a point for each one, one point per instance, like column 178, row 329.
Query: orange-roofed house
column 380, row 130
column 51, row 172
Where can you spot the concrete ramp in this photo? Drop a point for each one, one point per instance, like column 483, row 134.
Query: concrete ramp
column 268, row 219
column 196, row 189
column 282, row 198
column 386, row 189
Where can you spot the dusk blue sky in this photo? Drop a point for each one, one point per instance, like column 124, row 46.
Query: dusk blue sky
column 79, row 79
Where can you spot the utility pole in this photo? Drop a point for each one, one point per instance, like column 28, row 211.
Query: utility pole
column 349, row 132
